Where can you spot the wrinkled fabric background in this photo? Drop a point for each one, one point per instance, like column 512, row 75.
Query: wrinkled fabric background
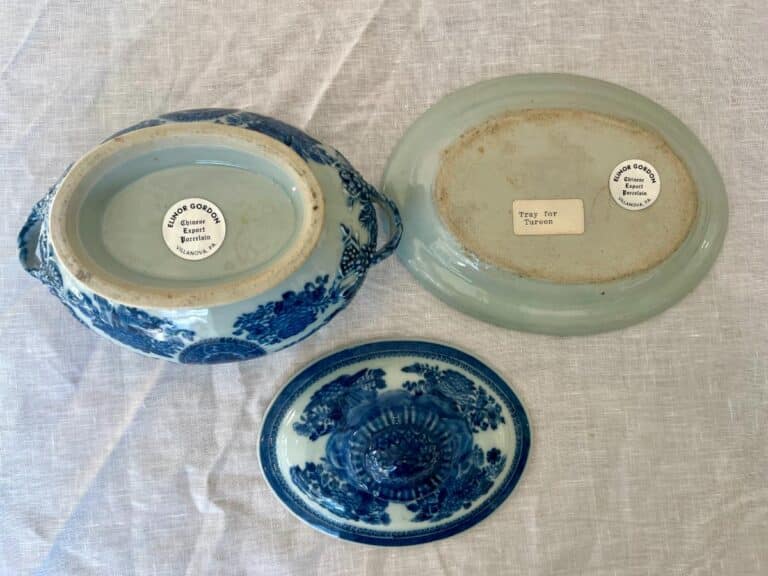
column 649, row 450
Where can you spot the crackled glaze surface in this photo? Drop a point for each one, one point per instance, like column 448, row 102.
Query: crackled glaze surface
column 394, row 442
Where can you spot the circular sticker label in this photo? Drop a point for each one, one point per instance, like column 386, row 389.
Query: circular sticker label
column 635, row 184
column 194, row 228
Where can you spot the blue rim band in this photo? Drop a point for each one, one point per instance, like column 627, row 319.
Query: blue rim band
column 321, row 368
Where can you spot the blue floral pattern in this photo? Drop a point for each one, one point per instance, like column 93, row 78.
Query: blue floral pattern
column 273, row 322
column 301, row 143
column 41, row 264
column 325, row 486
column 281, row 320
column 34, row 221
column 219, row 350
column 479, row 409
column 328, row 405
column 352, row 452
column 130, row 326
column 413, row 445
column 271, row 326
column 299, row 313
column 460, row 492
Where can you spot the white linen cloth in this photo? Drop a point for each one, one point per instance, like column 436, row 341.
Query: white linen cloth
column 649, row 450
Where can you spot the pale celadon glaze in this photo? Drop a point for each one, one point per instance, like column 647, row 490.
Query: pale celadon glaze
column 121, row 229
column 301, row 234
column 456, row 171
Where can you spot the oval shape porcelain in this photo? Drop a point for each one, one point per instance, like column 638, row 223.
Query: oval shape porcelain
column 541, row 139
column 395, row 442
column 301, row 233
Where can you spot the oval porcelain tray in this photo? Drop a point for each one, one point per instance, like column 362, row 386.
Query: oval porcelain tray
column 394, row 442
column 556, row 204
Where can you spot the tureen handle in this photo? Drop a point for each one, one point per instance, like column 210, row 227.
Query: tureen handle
column 394, row 225
column 29, row 242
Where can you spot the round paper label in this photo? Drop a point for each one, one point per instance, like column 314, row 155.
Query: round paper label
column 635, row 184
column 194, row 228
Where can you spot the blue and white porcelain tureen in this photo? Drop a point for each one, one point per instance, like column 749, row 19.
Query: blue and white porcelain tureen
column 209, row 235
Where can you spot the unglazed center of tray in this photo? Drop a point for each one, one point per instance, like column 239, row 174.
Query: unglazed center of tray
column 562, row 154
column 246, row 195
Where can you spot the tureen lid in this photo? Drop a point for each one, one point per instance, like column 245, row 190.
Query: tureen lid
column 555, row 203
column 394, row 442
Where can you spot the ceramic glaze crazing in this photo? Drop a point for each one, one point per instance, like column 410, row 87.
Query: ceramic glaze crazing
column 394, row 442
column 412, row 445
column 267, row 322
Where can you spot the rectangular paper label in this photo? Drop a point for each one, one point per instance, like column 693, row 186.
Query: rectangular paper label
column 548, row 217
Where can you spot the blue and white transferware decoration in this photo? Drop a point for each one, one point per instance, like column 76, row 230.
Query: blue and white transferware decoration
column 394, row 443
column 209, row 235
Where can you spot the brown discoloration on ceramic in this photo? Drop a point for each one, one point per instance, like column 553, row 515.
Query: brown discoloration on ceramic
column 562, row 153
column 83, row 276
